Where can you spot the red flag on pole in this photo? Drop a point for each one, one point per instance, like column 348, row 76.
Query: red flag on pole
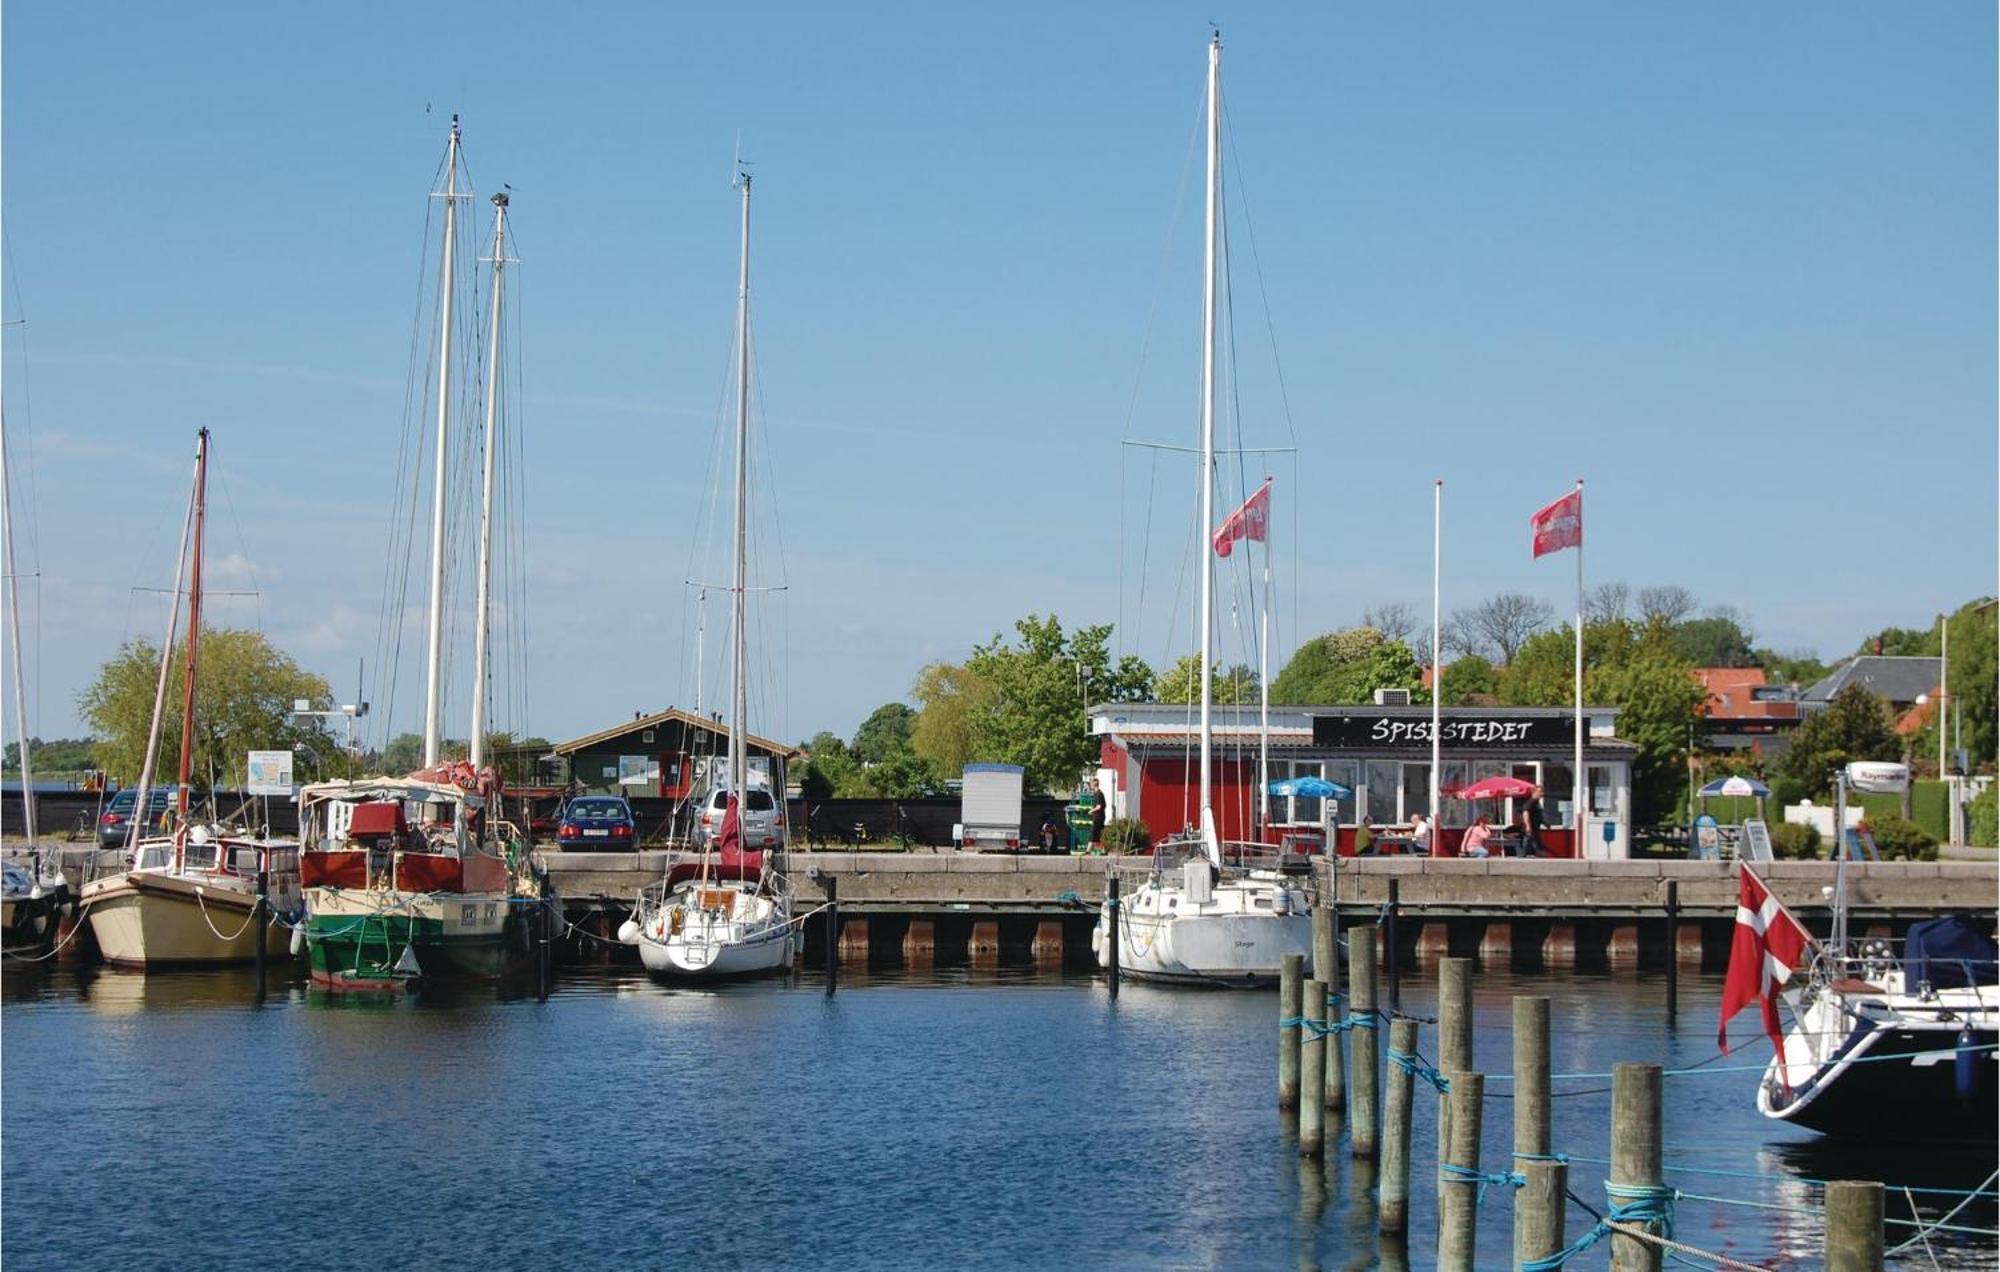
column 1768, row 944
column 1251, row 521
column 1560, row 525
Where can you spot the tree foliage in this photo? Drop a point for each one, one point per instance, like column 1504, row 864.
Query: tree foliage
column 1668, row 605
column 1718, row 640
column 63, row 755
column 1970, row 685
column 1041, row 683
column 1348, row 667
column 885, row 733
column 1395, row 620
column 243, row 703
column 1659, row 702
column 1496, row 628
column 1181, row 683
column 1856, row 725
column 951, row 701
column 1470, row 681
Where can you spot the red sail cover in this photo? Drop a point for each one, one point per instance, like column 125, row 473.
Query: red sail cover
column 1560, row 525
column 1251, row 521
column 1768, row 944
column 729, row 840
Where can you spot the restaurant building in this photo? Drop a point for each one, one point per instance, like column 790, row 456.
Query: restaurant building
column 661, row 755
column 1148, row 769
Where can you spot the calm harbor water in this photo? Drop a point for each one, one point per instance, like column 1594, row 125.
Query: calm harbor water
column 946, row 1119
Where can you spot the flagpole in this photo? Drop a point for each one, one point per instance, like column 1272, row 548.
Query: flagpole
column 1579, row 786
column 1437, row 654
column 1264, row 695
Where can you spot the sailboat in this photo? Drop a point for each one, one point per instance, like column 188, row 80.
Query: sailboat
column 419, row 878
column 730, row 915
column 1208, row 913
column 189, row 897
column 33, row 896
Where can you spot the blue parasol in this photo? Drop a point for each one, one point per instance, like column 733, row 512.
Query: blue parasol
column 1735, row 786
column 1311, row 788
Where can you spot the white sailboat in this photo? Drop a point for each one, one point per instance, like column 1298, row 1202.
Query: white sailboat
column 732, row 915
column 189, row 898
column 1208, row 913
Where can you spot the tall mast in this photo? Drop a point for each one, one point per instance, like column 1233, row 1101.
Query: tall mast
column 137, row 824
column 483, row 596
column 14, row 621
column 1211, row 251
column 433, row 689
column 738, row 695
column 193, row 654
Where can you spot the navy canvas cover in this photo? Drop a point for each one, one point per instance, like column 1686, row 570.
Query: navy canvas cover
column 1955, row 951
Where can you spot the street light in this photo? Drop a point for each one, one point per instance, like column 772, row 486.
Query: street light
column 302, row 710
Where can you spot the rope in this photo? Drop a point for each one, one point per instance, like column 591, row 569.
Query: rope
column 1451, row 1172
column 1923, row 1233
column 1414, row 1064
column 57, row 948
column 1704, row 1068
column 202, row 904
column 1646, row 1204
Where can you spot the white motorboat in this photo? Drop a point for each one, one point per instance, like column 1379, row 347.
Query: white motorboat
column 1208, row 913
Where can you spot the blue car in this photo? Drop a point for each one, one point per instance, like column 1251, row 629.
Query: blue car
column 602, row 822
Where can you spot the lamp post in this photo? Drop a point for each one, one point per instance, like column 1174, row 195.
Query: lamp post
column 302, row 710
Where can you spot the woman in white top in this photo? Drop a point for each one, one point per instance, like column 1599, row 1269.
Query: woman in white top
column 1420, row 834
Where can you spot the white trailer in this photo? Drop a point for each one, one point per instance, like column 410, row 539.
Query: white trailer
column 989, row 808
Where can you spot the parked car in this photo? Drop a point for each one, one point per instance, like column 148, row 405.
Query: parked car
column 762, row 827
column 597, row 821
column 114, row 824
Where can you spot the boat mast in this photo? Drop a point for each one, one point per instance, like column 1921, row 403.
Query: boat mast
column 433, row 691
column 160, row 687
column 193, row 655
column 1210, row 246
column 483, row 597
column 738, row 644
column 14, row 621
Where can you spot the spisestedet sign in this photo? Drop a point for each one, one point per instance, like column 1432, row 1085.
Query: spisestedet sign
column 270, row 773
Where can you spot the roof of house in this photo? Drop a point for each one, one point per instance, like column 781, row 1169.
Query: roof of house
column 1899, row 678
column 1732, row 695
column 687, row 718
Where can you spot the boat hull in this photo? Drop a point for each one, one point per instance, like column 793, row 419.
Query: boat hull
column 718, row 960
column 385, row 941
column 28, row 925
column 716, row 931
column 1893, row 1080
column 141, row 919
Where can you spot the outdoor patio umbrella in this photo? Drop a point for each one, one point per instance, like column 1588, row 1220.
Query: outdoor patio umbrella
column 1494, row 788
column 1311, row 788
column 1735, row 786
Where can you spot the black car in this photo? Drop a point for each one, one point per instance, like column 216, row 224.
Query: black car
column 597, row 821
column 114, row 824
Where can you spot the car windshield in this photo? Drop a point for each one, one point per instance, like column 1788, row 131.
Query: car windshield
column 597, row 808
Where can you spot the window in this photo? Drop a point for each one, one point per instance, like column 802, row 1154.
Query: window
column 1558, row 795
column 1345, row 773
column 1455, row 812
column 1381, row 781
column 759, row 801
column 1416, row 790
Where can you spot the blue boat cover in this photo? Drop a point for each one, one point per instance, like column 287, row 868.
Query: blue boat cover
column 1956, row 951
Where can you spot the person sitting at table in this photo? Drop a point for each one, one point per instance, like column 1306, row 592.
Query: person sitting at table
column 1474, row 844
column 1420, row 835
column 1364, row 838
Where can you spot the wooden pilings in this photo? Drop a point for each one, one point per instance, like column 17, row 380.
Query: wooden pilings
column 1364, row 1075
column 1393, row 1211
column 1454, row 1034
column 1291, row 993
column 833, row 939
column 1312, row 1071
column 1112, row 905
column 1538, row 1206
column 1854, row 1226
column 1458, row 1194
column 1538, row 1210
column 1326, row 967
column 1635, row 1156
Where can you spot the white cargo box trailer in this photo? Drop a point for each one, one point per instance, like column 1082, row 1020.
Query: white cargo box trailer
column 989, row 808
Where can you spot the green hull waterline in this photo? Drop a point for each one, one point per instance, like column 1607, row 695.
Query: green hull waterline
column 344, row 948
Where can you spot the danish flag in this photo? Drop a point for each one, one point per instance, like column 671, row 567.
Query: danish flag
column 1251, row 521
column 1762, row 958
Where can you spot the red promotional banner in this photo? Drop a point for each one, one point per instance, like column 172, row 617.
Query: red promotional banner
column 1251, row 521
column 1560, row 525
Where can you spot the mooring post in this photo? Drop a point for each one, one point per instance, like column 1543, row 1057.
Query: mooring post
column 1538, row 1210
column 1635, row 1157
column 1458, row 1195
column 1312, row 1071
column 1854, row 1226
column 1454, row 1035
column 1395, row 964
column 1673, row 950
column 1394, row 1211
column 1111, row 930
column 1326, row 966
column 260, row 915
column 1364, row 1074
column 1291, row 992
column 1537, row 1231
column 832, row 885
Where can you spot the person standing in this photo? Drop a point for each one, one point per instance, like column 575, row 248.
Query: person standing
column 1531, row 828
column 1098, row 808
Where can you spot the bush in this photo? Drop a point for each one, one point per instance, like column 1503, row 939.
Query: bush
column 1127, row 835
column 1983, row 825
column 1899, row 840
column 1790, row 841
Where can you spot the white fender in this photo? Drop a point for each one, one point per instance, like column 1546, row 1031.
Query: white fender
column 628, row 932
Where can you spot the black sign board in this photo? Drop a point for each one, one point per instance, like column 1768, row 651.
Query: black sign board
column 1461, row 732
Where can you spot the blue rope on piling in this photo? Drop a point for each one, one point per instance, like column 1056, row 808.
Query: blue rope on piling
column 1650, row 1206
column 1417, row 1066
column 1451, row 1172
column 1322, row 1028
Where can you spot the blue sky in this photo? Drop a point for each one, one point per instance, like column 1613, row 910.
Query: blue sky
column 1734, row 265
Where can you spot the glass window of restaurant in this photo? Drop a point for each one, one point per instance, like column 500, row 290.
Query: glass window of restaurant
column 1455, row 812
column 1384, row 782
column 1558, row 794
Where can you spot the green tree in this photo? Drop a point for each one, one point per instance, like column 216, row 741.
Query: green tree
column 1715, row 641
column 885, row 733
column 829, row 767
column 243, row 703
column 1468, row 680
column 64, row 755
column 951, row 701
column 404, row 754
column 1856, row 725
column 1348, row 667
column 1181, row 683
column 1971, row 686
column 1902, row 642
column 1042, row 683
column 1659, row 702
column 1799, row 667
